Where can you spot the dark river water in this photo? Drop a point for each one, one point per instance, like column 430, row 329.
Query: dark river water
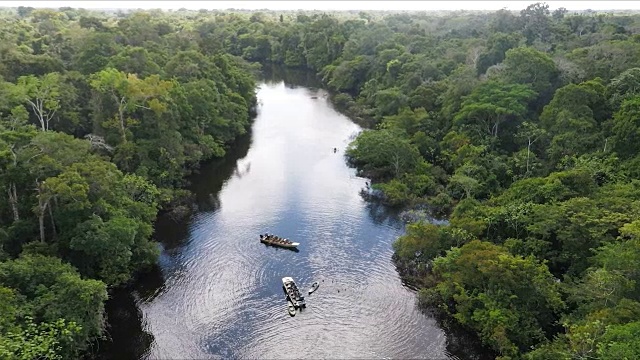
column 217, row 291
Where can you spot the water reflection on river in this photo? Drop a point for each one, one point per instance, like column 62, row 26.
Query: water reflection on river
column 217, row 290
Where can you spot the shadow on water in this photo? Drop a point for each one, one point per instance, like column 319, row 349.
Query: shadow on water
column 170, row 233
column 381, row 214
column 211, row 177
column 461, row 343
column 206, row 184
column 126, row 337
column 293, row 78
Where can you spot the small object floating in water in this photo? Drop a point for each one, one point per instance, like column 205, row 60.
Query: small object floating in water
column 335, row 150
column 291, row 308
column 314, row 97
column 314, row 287
column 278, row 241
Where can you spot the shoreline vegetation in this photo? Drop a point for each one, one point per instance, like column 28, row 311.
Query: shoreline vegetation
column 520, row 127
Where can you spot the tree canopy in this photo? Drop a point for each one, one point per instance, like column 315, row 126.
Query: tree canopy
column 520, row 126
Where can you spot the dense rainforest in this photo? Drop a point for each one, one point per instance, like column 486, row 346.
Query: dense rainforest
column 101, row 117
column 521, row 127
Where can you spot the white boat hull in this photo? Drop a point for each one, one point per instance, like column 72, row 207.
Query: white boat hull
column 291, row 308
column 292, row 245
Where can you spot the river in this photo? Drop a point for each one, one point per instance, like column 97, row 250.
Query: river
column 217, row 291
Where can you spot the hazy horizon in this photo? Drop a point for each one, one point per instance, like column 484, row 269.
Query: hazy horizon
column 325, row 5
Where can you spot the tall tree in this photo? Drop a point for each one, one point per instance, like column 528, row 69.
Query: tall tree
column 128, row 93
column 491, row 104
column 42, row 94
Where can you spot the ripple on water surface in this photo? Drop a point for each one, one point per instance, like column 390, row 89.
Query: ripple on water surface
column 223, row 293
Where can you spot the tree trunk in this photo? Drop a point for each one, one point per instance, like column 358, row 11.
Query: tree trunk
column 396, row 164
column 41, row 222
column 528, row 152
column 122, row 127
column 13, row 201
column 42, row 207
column 38, row 110
column 121, row 104
column 53, row 222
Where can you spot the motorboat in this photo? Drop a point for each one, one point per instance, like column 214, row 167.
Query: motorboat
column 293, row 293
column 291, row 308
column 278, row 241
column 314, row 287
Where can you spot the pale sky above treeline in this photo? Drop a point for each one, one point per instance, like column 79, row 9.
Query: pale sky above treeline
column 326, row 5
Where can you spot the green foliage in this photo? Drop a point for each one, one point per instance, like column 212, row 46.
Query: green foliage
column 521, row 125
column 384, row 153
column 508, row 299
column 490, row 105
column 626, row 128
column 620, row 342
column 39, row 341
column 573, row 119
column 609, row 58
column 424, row 242
column 55, row 312
column 525, row 65
column 624, row 86
column 42, row 94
